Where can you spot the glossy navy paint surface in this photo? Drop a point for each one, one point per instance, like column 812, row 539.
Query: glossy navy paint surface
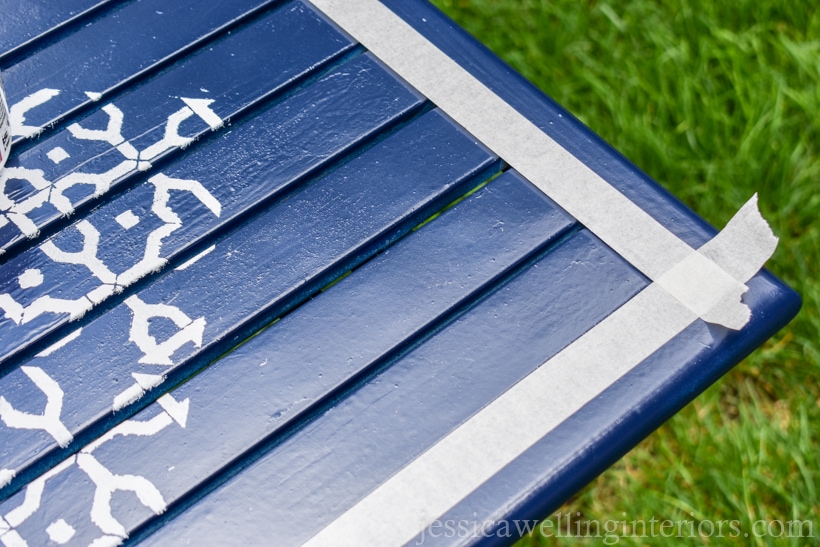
column 100, row 56
column 22, row 21
column 249, row 164
column 614, row 422
column 253, row 274
column 236, row 72
column 645, row 399
column 559, row 124
column 270, row 381
column 364, row 439
column 326, row 161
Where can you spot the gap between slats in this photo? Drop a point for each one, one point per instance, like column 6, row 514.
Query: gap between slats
column 261, row 320
column 49, row 36
column 350, row 386
column 261, row 104
column 124, row 86
column 193, row 249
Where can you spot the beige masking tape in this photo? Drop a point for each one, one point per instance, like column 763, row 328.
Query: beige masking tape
column 687, row 285
column 692, row 278
column 411, row 501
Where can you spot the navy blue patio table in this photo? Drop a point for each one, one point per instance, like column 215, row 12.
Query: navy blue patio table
column 328, row 273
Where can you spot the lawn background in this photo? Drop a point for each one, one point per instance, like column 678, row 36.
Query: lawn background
column 716, row 101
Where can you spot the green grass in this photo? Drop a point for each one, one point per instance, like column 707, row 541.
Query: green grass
column 716, row 101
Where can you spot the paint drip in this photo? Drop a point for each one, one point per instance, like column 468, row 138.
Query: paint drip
column 5, row 129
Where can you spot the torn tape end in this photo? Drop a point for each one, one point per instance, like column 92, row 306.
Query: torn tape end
column 744, row 245
column 711, row 281
column 741, row 249
column 730, row 311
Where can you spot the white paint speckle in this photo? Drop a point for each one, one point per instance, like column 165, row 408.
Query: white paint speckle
column 30, row 278
column 127, row 219
column 6, row 475
column 61, row 343
column 57, row 154
column 60, row 532
column 93, row 95
column 187, row 264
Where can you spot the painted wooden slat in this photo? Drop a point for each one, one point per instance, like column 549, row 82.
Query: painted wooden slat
column 348, row 450
column 655, row 393
column 23, row 21
column 78, row 164
column 561, row 463
column 554, row 120
column 287, row 432
column 136, row 233
column 99, row 57
column 268, row 264
column 268, row 382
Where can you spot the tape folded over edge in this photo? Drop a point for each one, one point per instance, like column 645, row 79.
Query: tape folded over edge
column 409, row 502
column 708, row 283
column 711, row 281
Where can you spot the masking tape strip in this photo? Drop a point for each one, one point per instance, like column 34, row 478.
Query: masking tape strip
column 407, row 503
column 5, row 129
column 688, row 285
column 694, row 279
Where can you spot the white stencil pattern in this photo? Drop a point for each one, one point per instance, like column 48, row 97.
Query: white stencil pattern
column 49, row 420
column 160, row 353
column 105, row 482
column 53, row 192
column 154, row 352
column 88, row 256
column 18, row 111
